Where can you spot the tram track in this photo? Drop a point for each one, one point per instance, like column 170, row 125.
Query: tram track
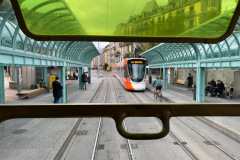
column 212, row 142
column 198, row 133
column 100, row 123
column 130, row 151
column 106, row 93
column 171, row 134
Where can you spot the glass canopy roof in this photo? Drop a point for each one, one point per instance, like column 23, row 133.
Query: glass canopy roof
column 127, row 18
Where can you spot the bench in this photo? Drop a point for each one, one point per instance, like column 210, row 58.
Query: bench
column 179, row 81
column 31, row 93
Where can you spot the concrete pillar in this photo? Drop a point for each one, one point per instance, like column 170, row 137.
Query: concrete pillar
column 200, row 87
column 165, row 78
column 62, row 76
column 2, row 87
column 19, row 80
column 150, row 75
column 89, row 75
column 45, row 75
column 80, row 72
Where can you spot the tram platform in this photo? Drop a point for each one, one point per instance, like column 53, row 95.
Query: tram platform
column 227, row 125
column 42, row 138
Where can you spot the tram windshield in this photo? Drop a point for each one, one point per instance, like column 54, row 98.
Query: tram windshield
column 136, row 70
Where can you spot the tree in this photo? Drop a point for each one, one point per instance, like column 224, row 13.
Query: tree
column 142, row 47
column 128, row 55
column 105, row 65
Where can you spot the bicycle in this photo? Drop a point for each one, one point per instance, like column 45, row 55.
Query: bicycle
column 158, row 95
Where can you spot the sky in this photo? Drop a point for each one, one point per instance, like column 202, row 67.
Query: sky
column 101, row 44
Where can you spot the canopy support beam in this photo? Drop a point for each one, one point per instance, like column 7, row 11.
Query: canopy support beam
column 165, row 78
column 2, row 87
column 89, row 75
column 200, row 84
column 80, row 72
column 62, row 77
column 150, row 75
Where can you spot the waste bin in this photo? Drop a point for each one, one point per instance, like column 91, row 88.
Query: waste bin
column 52, row 78
column 194, row 92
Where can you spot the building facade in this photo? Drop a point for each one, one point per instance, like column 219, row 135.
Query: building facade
column 120, row 51
column 106, row 54
column 174, row 18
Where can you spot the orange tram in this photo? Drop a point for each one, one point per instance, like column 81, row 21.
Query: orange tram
column 131, row 73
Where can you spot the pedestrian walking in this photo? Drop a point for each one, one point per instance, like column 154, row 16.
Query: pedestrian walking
column 57, row 90
column 84, row 80
column 76, row 75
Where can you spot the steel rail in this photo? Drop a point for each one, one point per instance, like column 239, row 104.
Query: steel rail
column 99, row 122
column 130, row 151
column 172, row 135
column 206, row 138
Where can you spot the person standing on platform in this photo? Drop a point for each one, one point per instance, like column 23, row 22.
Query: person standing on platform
column 84, row 80
column 190, row 81
column 76, row 75
column 57, row 90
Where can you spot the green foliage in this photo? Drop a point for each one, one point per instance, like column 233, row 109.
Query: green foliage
column 105, row 65
column 128, row 55
column 69, row 76
column 142, row 47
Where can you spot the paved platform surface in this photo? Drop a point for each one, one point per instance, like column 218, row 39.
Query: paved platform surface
column 227, row 125
column 39, row 138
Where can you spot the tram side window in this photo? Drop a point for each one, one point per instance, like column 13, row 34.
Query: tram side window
column 125, row 74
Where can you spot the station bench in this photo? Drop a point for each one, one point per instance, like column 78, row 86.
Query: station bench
column 31, row 93
column 179, row 81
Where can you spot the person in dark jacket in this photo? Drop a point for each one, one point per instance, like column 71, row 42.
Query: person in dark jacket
column 84, row 80
column 190, row 81
column 57, row 90
column 211, row 86
column 219, row 88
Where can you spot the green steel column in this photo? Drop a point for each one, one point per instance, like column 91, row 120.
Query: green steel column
column 2, row 87
column 19, row 79
column 200, row 87
column 89, row 75
column 80, row 72
column 45, row 75
column 150, row 75
column 165, row 78
column 59, row 71
column 174, row 70
column 62, row 80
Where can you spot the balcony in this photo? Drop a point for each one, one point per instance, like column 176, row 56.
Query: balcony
column 117, row 54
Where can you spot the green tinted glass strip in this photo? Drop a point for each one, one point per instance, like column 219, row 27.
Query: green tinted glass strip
column 130, row 18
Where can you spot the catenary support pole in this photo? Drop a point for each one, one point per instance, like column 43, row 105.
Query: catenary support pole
column 80, row 72
column 174, row 72
column 2, row 87
column 19, row 80
column 45, row 75
column 165, row 78
column 200, row 88
column 150, row 75
column 62, row 80
column 89, row 75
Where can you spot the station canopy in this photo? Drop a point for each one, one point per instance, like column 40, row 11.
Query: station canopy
column 224, row 54
column 18, row 49
column 128, row 20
